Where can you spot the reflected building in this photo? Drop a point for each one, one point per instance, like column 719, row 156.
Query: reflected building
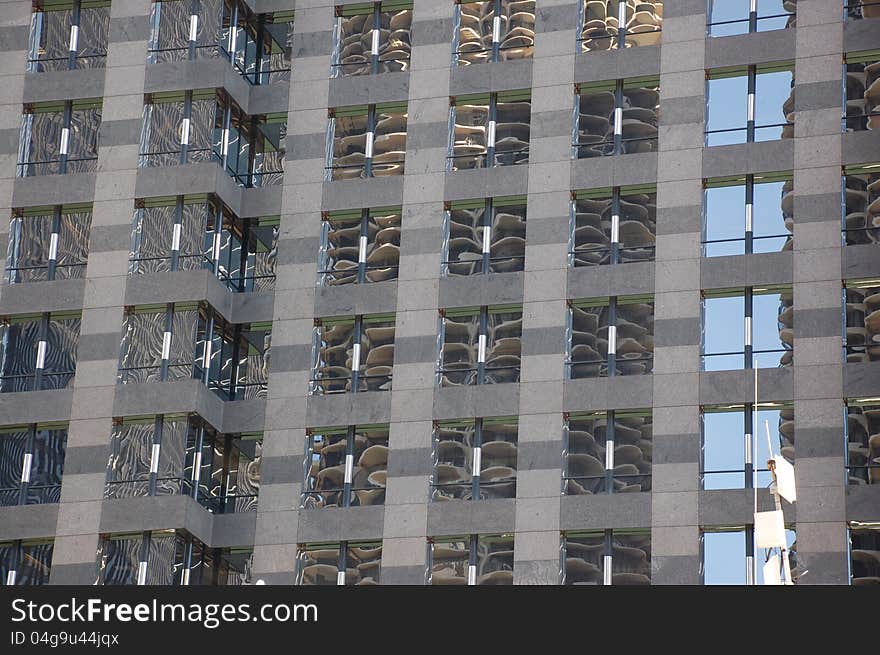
column 437, row 292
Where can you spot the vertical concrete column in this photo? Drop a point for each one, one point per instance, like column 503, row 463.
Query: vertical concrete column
column 675, row 520
column 818, row 383
column 292, row 328
column 106, row 274
column 409, row 461
column 15, row 19
column 536, row 546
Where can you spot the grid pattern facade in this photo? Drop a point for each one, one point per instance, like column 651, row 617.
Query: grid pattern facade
column 515, row 518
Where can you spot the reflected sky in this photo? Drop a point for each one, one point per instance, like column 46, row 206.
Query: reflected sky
column 724, row 331
column 721, row 11
column 724, row 557
column 724, row 447
column 728, row 107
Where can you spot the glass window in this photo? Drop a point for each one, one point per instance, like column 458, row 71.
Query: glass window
column 48, row 243
column 489, row 130
column 613, row 226
column 750, row 104
column 158, row 344
column 172, row 235
column 474, row 459
column 862, row 75
column 862, row 309
column 353, row 354
column 729, row 17
column 480, row 345
column 366, row 141
column 857, row 9
column 59, row 138
column 372, row 38
column 494, row 30
column 736, row 436
column 616, row 118
column 618, row 557
column 748, row 328
column 861, row 204
column 608, row 452
column 616, row 24
column 147, row 457
column 863, row 441
column 68, row 35
column 31, row 464
column 610, row 336
column 38, row 352
column 345, row 467
column 25, row 562
column 484, row 236
column 345, row 563
column 730, row 556
column 177, row 34
column 471, row 560
column 748, row 215
column 360, row 246
column 258, row 46
column 864, row 552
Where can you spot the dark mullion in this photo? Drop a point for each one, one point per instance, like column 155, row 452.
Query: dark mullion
column 374, row 57
column 235, row 366
column 28, row 449
column 612, row 322
column 187, row 117
column 52, row 264
column 488, row 215
column 209, row 343
column 615, row 211
column 748, row 348
column 475, row 473
column 750, row 553
column 371, row 130
column 178, row 221
column 753, row 20
column 258, row 49
column 473, row 541
column 232, row 41
column 496, row 45
column 748, row 428
column 144, row 555
column 356, row 339
column 343, row 561
column 169, row 323
column 244, row 250
column 750, row 202
column 349, row 451
column 483, row 331
column 158, row 427
column 42, row 335
column 493, row 115
column 618, row 104
column 75, row 18
column 224, row 479
column 65, row 125
column 750, row 123
column 364, row 232
column 194, row 11
column 609, row 553
column 196, row 477
column 187, row 563
column 609, row 440
column 218, row 240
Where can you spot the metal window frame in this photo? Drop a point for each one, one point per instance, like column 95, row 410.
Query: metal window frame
column 473, row 542
column 607, row 548
column 75, row 7
column 616, row 194
column 618, row 87
column 362, row 218
column 489, row 206
column 375, row 9
column 371, row 111
column 622, row 32
column 358, row 321
column 752, row 20
column 482, row 312
column 344, row 547
column 491, row 100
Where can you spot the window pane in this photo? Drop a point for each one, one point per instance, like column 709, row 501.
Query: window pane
column 863, row 324
column 589, row 342
column 19, row 341
column 638, row 227
column 772, row 14
column 772, row 328
column 119, row 561
column 724, row 558
column 863, row 444
column 592, row 231
column 862, row 109
column 601, row 24
column 41, row 142
column 725, row 219
column 383, row 247
column 865, row 554
column 363, row 564
column 160, row 143
column 46, row 466
column 507, row 249
column 183, row 343
column 595, row 132
column 641, row 110
column 458, row 354
column 517, row 29
column 141, row 348
column 469, row 144
column 325, row 470
column 453, row 462
column 780, row 421
column 728, row 110
column 723, row 11
column 585, row 455
column 449, row 562
column 33, row 569
column 128, row 472
column 773, row 103
column 318, row 565
column 73, row 245
column 370, row 466
column 724, row 450
column 503, row 346
column 171, row 455
column 83, row 145
column 349, row 146
column 151, row 245
column 495, row 560
column 498, row 462
column 635, row 338
column 633, row 445
column 92, row 40
column 353, row 44
column 334, row 357
column 584, row 559
column 862, row 209
column 377, row 355
column 394, row 40
column 339, row 262
column 50, row 40
column 164, row 558
column 475, row 32
column 464, row 246
column 204, row 115
column 28, row 250
column 13, row 446
column 170, row 30
column 773, row 221
column 253, row 364
column 62, row 337
column 723, row 332
column 631, row 559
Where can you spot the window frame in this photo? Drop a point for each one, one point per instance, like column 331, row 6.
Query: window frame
column 66, row 108
column 372, row 112
column 18, row 556
column 361, row 218
column 373, row 10
column 849, row 191
column 607, row 555
column 58, row 229
column 871, row 465
column 42, row 350
column 853, row 347
column 752, row 19
column 618, row 144
column 505, row 576
column 30, row 462
column 344, row 556
column 490, row 208
column 751, row 552
column 491, row 154
column 616, row 195
column 35, row 64
column 494, row 53
column 355, row 377
column 618, row 40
